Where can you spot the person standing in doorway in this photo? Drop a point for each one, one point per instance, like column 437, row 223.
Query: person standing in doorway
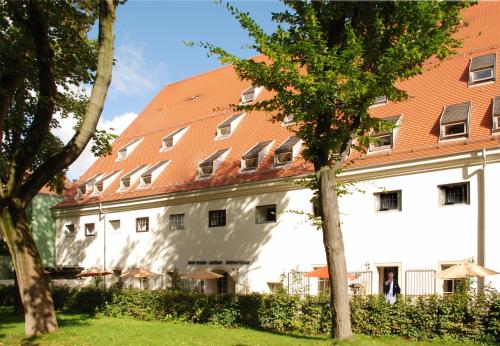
column 391, row 288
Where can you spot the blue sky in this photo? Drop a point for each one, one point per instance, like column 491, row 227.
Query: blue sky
column 150, row 53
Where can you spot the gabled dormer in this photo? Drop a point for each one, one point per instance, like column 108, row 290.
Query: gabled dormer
column 287, row 151
column 482, row 69
column 454, row 121
column 104, row 181
column 251, row 160
column 150, row 175
column 210, row 165
column 385, row 139
column 495, row 113
column 250, row 95
column 129, row 178
column 126, row 150
column 171, row 140
column 227, row 127
column 86, row 187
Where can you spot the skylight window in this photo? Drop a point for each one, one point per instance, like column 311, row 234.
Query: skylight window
column 227, row 127
column 495, row 112
column 454, row 122
column 384, row 139
column 209, row 166
column 171, row 140
column 251, row 160
column 482, row 69
column 287, row 151
column 152, row 173
column 250, row 95
column 127, row 180
column 126, row 150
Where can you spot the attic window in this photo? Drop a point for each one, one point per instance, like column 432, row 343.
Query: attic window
column 126, row 180
column 482, row 69
column 99, row 186
column 384, row 139
column 496, row 114
column 172, row 139
column 249, row 95
column 126, row 150
column 455, row 121
column 379, row 101
column 228, row 126
column 208, row 166
column 82, row 189
column 103, row 182
column 254, row 156
column 152, row 173
column 287, row 151
column 288, row 119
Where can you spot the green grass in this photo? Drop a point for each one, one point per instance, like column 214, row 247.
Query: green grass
column 86, row 330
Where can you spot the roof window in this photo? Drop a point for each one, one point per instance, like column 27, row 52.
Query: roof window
column 288, row 119
column 209, row 166
column 228, row 126
column 495, row 112
column 103, row 183
column 152, row 173
column 384, row 139
column 250, row 95
column 87, row 186
column 172, row 139
column 128, row 179
column 482, row 69
column 287, row 151
column 379, row 101
column 454, row 122
column 126, row 150
column 251, row 160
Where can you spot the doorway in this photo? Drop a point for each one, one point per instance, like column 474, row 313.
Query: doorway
column 383, row 271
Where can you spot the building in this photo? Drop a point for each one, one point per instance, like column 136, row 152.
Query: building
column 191, row 184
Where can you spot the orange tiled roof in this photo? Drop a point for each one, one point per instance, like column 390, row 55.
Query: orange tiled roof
column 202, row 102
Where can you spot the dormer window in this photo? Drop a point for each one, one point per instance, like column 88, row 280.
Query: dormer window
column 86, row 187
column 99, row 186
column 250, row 161
column 209, row 166
column 126, row 150
column 229, row 125
column 127, row 180
column 102, row 183
column 495, row 112
column 384, row 139
column 152, row 173
column 287, row 151
column 482, row 69
column 250, row 95
column 379, row 101
column 172, row 139
column 288, row 119
column 454, row 122
column 82, row 190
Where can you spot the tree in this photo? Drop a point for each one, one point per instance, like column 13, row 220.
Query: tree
column 325, row 64
column 46, row 58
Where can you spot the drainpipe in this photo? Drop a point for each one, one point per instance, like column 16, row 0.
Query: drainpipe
column 103, row 241
column 481, row 238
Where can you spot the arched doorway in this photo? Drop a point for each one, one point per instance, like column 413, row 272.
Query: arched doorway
column 223, row 285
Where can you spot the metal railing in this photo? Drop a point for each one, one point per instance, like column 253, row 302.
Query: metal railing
column 420, row 282
column 362, row 284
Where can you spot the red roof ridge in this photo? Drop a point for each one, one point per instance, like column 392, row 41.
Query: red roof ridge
column 197, row 75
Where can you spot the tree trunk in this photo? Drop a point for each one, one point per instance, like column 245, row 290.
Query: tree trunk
column 335, row 257
column 37, row 302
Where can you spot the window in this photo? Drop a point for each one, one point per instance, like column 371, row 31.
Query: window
column 379, row 100
column 172, row 139
column 323, row 286
column 495, row 112
column 254, row 156
column 482, row 69
column 69, row 230
column 125, row 182
column 229, row 125
column 152, row 173
column 249, row 95
column 122, row 154
column 99, row 186
column 127, row 179
column 286, row 152
column 115, row 225
column 90, row 229
column 384, row 139
column 82, row 190
column 288, row 119
column 142, row 224
column 176, row 222
column 208, row 166
column 454, row 120
column 222, row 284
column 454, row 194
column 265, row 213
column 217, row 218
column 388, row 200
column 126, row 150
column 146, row 179
column 381, row 142
column 452, row 285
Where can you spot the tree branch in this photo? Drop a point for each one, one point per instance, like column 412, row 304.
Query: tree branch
column 75, row 146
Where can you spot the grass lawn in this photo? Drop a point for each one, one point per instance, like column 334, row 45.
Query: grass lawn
column 86, row 330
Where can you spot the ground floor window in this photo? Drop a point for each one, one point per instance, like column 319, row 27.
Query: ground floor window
column 323, row 286
column 222, row 284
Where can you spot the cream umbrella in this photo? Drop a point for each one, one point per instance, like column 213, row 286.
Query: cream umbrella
column 463, row 270
column 139, row 273
column 201, row 274
column 92, row 272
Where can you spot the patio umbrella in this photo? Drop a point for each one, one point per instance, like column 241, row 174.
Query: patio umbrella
column 463, row 270
column 92, row 272
column 139, row 273
column 322, row 273
column 201, row 274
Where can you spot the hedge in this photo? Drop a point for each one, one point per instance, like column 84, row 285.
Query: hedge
column 457, row 316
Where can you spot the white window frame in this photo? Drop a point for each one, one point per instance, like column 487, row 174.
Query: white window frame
column 442, row 193
column 484, row 79
column 253, row 89
column 113, row 224
column 90, row 229
column 461, row 134
column 288, row 119
column 382, row 102
column 174, row 137
column 138, row 220
column 373, row 147
column 126, row 150
column 378, row 201
column 67, row 229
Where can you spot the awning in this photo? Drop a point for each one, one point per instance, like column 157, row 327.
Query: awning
column 201, row 274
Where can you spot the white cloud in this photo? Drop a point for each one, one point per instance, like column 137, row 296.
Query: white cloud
column 115, row 125
column 133, row 73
